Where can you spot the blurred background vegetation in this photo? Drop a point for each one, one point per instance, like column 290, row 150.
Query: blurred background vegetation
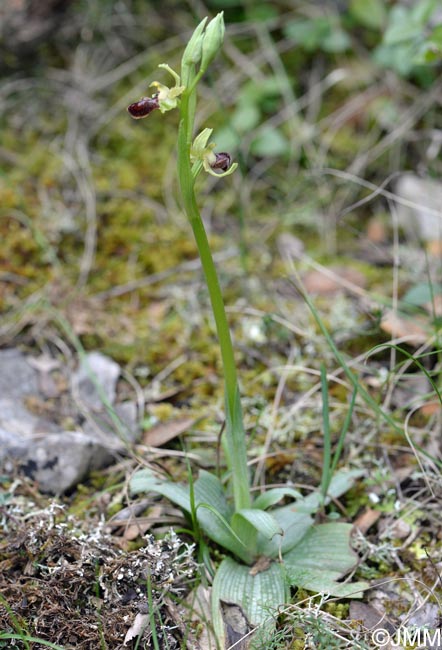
column 325, row 105
column 315, row 100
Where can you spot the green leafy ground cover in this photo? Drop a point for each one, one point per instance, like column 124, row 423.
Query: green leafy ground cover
column 91, row 228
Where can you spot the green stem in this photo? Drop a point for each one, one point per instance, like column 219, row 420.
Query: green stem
column 235, row 435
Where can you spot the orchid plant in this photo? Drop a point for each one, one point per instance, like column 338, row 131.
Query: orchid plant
column 269, row 550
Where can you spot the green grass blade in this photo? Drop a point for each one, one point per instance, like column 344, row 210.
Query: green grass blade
column 412, row 358
column 326, row 454
column 30, row 639
column 344, row 430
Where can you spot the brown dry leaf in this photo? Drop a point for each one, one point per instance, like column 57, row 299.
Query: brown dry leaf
column 141, row 526
column 429, row 409
column 136, row 530
column 434, row 247
column 200, row 607
column 398, row 529
column 332, row 280
column 81, row 315
column 137, row 627
column 376, row 231
column 370, row 617
column 236, row 625
column 367, row 519
column 435, row 306
column 161, row 433
column 415, row 331
column 179, row 618
column 165, row 396
column 261, row 564
column 157, row 311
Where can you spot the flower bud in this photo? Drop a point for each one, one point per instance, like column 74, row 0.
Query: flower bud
column 192, row 53
column 213, row 39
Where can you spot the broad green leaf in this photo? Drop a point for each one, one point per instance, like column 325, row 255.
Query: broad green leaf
column 369, row 13
column 214, row 515
column 295, row 519
column 321, row 581
column 294, row 526
column 322, row 557
column 428, row 53
column 209, row 489
column 325, row 546
column 213, row 511
column 402, row 27
column 249, row 537
column 436, row 36
column 422, row 293
column 421, row 11
column 341, row 482
column 252, row 526
column 271, row 497
column 221, row 532
column 398, row 57
column 147, row 481
column 263, row 522
column 259, row 596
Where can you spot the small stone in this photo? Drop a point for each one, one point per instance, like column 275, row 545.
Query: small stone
column 421, row 216
column 96, row 380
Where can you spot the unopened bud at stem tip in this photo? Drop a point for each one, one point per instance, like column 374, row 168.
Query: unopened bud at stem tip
column 213, row 39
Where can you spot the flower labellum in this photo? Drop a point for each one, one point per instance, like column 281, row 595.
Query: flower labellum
column 223, row 161
column 143, row 107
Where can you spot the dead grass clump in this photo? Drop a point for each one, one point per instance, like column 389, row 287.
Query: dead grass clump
column 78, row 589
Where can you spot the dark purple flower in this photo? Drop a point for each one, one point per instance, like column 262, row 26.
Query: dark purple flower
column 223, row 161
column 143, row 107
